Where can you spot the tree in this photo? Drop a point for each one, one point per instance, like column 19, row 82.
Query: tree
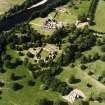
column 45, row 102
column 95, row 57
column 102, row 97
column 73, row 79
column 15, row 77
column 31, row 83
column 16, row 86
column 103, row 48
column 1, row 84
column 103, row 57
column 83, row 59
column 60, row 103
column 30, row 55
column 83, row 67
column 82, row 18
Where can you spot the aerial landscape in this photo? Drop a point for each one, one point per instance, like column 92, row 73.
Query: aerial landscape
column 52, row 52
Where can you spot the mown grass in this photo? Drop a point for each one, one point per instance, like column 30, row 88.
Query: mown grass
column 96, row 88
column 97, row 67
column 100, row 17
column 28, row 95
column 5, row 5
column 69, row 16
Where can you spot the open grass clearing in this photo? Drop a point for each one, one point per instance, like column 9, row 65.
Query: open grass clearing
column 100, row 17
column 37, row 24
column 5, row 5
column 27, row 95
column 69, row 15
column 96, row 88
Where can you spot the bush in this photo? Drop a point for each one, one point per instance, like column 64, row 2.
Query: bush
column 95, row 57
column 30, row 55
column 0, row 97
column 2, row 70
column 31, row 83
column 103, row 57
column 1, row 92
column 60, row 103
column 83, row 67
column 72, row 65
column 89, row 85
column 17, row 86
column 21, row 54
column 43, row 87
column 15, row 77
column 45, row 102
column 75, row 7
column 1, row 83
column 90, row 73
column 72, row 80
column 103, row 48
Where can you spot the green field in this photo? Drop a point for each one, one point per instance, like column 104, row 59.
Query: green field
column 97, row 67
column 28, row 95
column 5, row 5
column 100, row 17
column 87, row 83
column 69, row 16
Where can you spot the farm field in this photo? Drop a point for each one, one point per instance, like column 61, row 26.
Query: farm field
column 100, row 17
column 5, row 5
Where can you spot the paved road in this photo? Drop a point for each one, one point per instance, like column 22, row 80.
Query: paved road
column 38, row 4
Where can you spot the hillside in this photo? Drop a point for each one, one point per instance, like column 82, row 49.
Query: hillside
column 52, row 52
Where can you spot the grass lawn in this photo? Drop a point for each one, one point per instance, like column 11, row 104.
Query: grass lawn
column 82, row 85
column 82, row 7
column 27, row 95
column 95, row 49
column 97, row 67
column 5, row 5
column 37, row 24
column 67, row 17
column 100, row 17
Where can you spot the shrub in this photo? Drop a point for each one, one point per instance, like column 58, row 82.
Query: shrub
column 15, row 77
column 17, row 86
column 30, row 55
column 72, row 80
column 43, row 87
column 89, row 85
column 90, row 73
column 103, row 57
column 103, row 48
column 31, row 83
column 60, row 103
column 75, row 7
column 21, row 54
column 83, row 67
column 45, row 102
column 1, row 84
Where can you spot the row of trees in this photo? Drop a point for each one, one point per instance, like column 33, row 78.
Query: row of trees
column 92, row 10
